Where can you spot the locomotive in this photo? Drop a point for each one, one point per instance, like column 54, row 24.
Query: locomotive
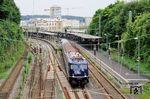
column 75, row 64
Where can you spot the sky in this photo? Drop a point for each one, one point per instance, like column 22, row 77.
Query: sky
column 84, row 8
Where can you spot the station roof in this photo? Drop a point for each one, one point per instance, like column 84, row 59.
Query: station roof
column 47, row 33
column 85, row 36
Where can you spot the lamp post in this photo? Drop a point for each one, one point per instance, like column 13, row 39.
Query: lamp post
column 138, row 58
column 106, row 42
column 118, row 45
column 37, row 30
column 100, row 25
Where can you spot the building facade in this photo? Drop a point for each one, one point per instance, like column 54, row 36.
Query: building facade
column 55, row 11
column 52, row 25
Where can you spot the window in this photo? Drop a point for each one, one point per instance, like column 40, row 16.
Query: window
column 83, row 66
column 75, row 67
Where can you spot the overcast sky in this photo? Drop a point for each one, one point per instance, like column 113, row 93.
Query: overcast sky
column 71, row 7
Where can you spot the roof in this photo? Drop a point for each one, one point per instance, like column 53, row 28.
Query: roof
column 76, row 57
column 67, row 46
column 86, row 36
column 48, row 33
column 72, row 53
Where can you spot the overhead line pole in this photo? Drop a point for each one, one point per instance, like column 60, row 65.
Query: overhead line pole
column 100, row 25
column 100, row 35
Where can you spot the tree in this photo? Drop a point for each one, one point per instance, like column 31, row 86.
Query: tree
column 9, row 11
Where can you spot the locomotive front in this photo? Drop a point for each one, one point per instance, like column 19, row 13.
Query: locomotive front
column 75, row 64
column 78, row 71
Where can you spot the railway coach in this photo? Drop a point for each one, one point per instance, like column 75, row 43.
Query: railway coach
column 75, row 64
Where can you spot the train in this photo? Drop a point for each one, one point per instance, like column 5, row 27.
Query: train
column 75, row 64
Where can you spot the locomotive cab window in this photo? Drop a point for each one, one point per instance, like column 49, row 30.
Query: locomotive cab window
column 74, row 67
column 83, row 66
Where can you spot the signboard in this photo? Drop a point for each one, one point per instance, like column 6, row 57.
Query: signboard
column 135, row 89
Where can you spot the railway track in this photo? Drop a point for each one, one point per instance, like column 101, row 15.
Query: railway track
column 111, row 91
column 49, row 88
column 34, row 91
column 8, row 84
column 69, row 92
column 58, row 75
column 36, row 80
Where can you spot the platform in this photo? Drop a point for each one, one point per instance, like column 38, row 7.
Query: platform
column 124, row 76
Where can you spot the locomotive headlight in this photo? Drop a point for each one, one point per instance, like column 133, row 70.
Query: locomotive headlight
column 73, row 75
column 85, row 76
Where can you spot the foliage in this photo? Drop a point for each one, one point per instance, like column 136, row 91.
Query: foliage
column 30, row 57
column 9, row 11
column 146, row 94
column 11, row 36
column 128, row 21
column 147, row 87
column 115, row 17
column 139, row 28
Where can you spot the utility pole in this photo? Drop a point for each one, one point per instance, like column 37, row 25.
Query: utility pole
column 138, row 55
column 118, row 46
column 130, row 16
column 100, row 34
column 37, row 30
column 107, row 43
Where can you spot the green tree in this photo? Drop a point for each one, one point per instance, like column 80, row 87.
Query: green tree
column 138, row 28
column 9, row 10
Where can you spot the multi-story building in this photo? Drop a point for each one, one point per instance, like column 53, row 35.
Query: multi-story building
column 70, row 24
column 53, row 25
column 88, row 21
column 55, row 11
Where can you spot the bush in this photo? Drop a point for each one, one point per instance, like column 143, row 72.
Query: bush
column 30, row 57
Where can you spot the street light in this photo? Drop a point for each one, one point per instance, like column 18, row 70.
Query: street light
column 100, row 34
column 118, row 45
column 138, row 59
column 37, row 30
column 106, row 42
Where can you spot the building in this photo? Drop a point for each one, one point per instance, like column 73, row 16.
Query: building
column 70, row 24
column 53, row 25
column 55, row 11
column 88, row 21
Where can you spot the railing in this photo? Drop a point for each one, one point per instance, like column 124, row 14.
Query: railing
column 101, row 65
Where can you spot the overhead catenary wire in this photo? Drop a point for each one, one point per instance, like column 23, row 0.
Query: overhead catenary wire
column 120, row 41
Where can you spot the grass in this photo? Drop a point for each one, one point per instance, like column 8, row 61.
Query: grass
column 131, row 63
column 8, row 60
column 146, row 94
column 27, row 65
column 25, row 73
column 125, row 90
column 3, row 75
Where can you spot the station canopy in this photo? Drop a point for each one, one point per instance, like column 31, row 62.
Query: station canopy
column 85, row 36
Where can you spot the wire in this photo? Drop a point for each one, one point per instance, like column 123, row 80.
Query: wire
column 128, row 39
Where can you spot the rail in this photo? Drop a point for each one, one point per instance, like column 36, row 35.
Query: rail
column 7, row 85
column 102, row 66
column 105, row 83
column 67, row 93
